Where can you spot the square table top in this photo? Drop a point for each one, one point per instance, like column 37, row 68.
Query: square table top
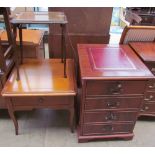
column 41, row 78
column 104, row 61
column 40, row 18
column 145, row 50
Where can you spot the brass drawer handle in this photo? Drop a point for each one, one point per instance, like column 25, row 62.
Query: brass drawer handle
column 144, row 109
column 119, row 85
column 152, row 86
column 41, row 100
column 116, row 91
column 113, row 104
column 108, row 128
column 111, row 116
column 150, row 97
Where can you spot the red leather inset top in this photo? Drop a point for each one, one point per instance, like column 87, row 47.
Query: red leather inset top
column 110, row 59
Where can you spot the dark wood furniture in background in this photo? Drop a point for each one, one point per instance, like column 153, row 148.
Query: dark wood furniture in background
column 85, row 25
column 52, row 18
column 41, row 85
column 146, row 13
column 8, row 57
column 146, row 52
column 113, row 82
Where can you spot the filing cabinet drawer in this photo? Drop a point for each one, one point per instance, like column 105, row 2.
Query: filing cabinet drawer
column 114, row 87
column 148, row 108
column 102, row 129
column 39, row 101
column 113, row 103
column 107, row 116
column 149, row 96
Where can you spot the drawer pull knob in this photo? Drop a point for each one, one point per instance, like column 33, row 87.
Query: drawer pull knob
column 113, row 104
column 108, row 128
column 41, row 100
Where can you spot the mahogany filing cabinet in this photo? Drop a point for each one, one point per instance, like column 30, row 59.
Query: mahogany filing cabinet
column 112, row 86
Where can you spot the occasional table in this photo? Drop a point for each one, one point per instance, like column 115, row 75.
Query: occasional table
column 42, row 18
column 41, row 85
column 113, row 82
column 146, row 52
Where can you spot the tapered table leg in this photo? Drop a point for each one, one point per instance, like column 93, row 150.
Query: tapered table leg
column 16, row 51
column 11, row 113
column 21, row 42
column 62, row 43
column 72, row 119
column 64, row 47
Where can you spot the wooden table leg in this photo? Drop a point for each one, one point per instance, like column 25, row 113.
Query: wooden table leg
column 64, row 48
column 11, row 113
column 62, row 43
column 21, row 42
column 16, row 51
column 44, row 44
column 15, row 31
column 72, row 119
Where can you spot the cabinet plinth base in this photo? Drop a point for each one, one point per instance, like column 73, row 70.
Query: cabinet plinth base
column 83, row 139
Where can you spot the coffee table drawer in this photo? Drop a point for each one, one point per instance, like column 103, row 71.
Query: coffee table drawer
column 108, row 116
column 102, row 129
column 114, row 87
column 40, row 101
column 113, row 103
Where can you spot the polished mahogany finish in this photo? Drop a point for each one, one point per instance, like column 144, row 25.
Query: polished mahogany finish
column 41, row 85
column 107, row 129
column 138, row 69
column 112, row 81
column 112, row 103
column 146, row 52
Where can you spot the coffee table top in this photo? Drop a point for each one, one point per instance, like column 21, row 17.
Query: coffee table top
column 41, row 78
column 145, row 50
column 40, row 18
column 110, row 62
